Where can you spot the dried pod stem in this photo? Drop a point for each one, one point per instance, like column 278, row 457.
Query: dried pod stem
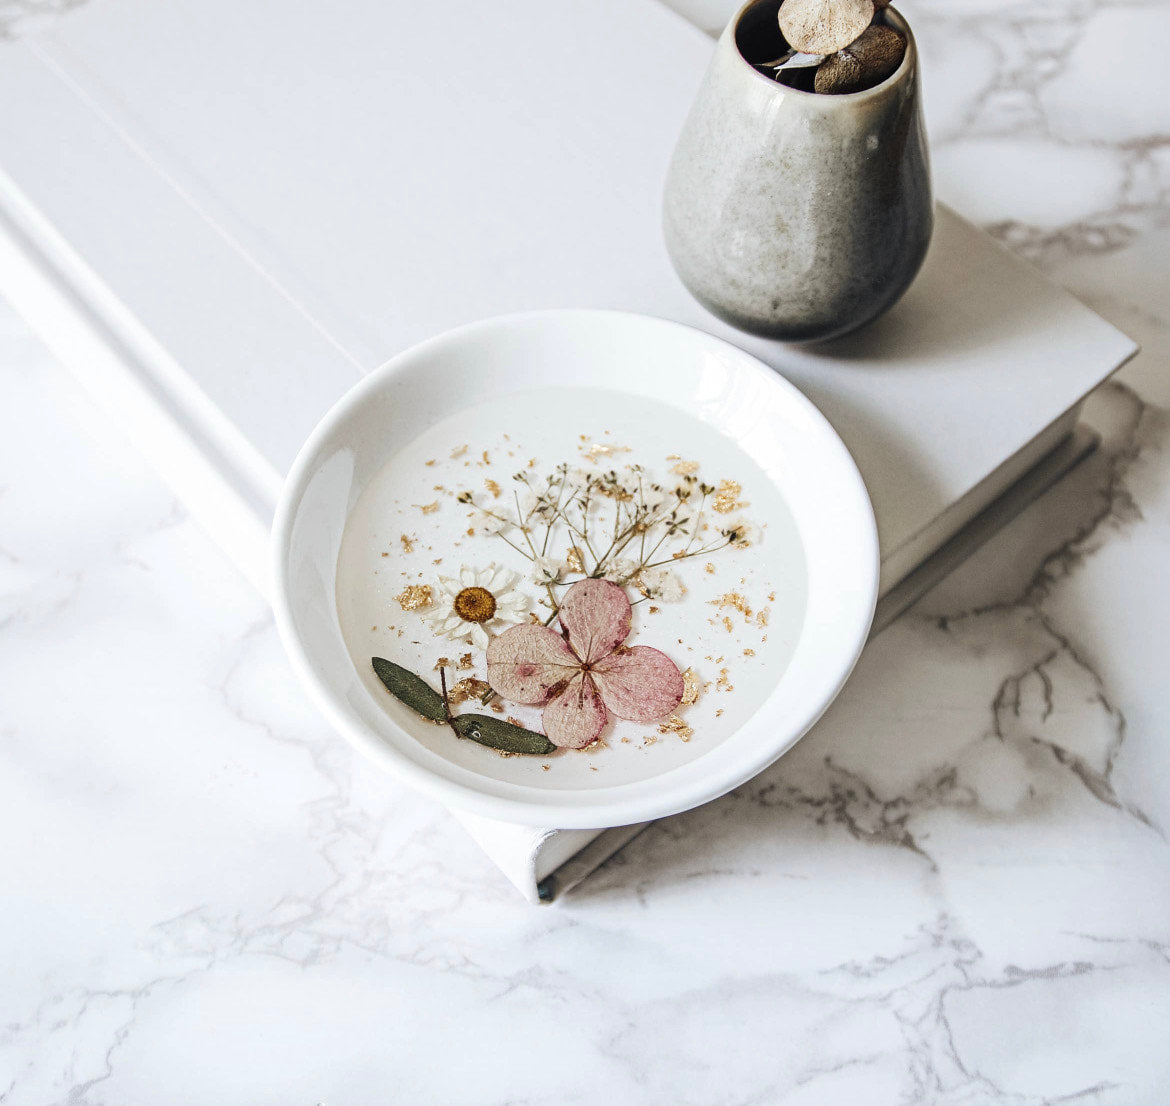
column 824, row 26
column 863, row 64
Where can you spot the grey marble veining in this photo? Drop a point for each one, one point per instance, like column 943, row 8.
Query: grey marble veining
column 961, row 898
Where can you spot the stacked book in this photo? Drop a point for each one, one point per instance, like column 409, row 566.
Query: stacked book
column 220, row 216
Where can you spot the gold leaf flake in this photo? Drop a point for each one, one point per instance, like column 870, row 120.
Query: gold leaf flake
column 431, row 461
column 686, row 468
column 465, row 662
column 575, row 559
column 414, row 596
column 407, row 545
column 427, row 508
column 709, row 568
column 492, row 487
column 734, row 600
column 676, row 725
column 727, row 624
column 512, row 720
column 468, row 688
column 458, row 452
column 723, row 683
column 727, row 499
column 598, row 450
column 653, row 610
column 690, row 687
column 749, row 652
column 771, row 597
column 762, row 616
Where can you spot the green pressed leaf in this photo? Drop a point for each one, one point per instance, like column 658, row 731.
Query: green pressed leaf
column 498, row 734
column 414, row 691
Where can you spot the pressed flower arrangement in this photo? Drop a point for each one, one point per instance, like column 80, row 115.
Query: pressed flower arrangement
column 589, row 604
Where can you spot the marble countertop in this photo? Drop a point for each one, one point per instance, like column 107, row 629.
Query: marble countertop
column 962, row 897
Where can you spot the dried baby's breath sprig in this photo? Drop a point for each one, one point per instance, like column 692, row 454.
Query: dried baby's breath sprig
column 615, row 524
column 740, row 533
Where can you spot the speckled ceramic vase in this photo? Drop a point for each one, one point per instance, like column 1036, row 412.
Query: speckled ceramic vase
column 792, row 214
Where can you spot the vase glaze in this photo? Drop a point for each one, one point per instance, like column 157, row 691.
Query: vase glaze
column 792, row 214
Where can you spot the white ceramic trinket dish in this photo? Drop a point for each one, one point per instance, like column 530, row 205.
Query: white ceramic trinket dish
column 388, row 499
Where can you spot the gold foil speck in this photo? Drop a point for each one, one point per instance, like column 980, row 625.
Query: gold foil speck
column 727, row 499
column 676, row 725
column 414, row 596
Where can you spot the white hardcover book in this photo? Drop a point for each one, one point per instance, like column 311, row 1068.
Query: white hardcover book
column 221, row 214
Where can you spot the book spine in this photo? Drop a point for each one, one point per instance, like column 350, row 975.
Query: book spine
column 222, row 481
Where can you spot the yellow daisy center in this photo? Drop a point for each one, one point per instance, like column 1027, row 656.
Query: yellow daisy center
column 475, row 604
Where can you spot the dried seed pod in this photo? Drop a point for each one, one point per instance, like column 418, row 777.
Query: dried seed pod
column 863, row 64
column 840, row 73
column 824, row 26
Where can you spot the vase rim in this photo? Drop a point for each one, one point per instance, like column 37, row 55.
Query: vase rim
column 899, row 23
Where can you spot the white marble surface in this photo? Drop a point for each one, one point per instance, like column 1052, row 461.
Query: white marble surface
column 962, row 897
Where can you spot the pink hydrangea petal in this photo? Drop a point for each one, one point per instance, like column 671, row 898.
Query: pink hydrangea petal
column 529, row 663
column 640, row 684
column 575, row 717
column 596, row 615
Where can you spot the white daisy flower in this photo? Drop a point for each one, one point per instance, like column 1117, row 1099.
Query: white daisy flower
column 478, row 603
